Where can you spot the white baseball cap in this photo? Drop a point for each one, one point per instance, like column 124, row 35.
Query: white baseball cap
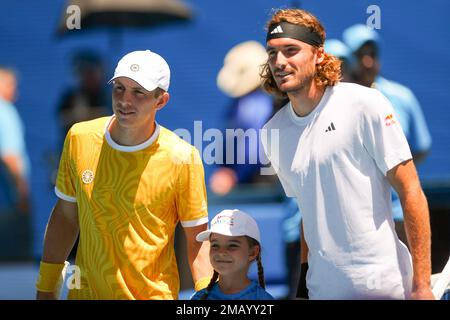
column 231, row 223
column 147, row 68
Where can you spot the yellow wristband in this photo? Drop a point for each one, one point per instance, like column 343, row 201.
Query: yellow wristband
column 49, row 275
column 202, row 283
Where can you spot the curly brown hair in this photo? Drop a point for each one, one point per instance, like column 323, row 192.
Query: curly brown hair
column 328, row 73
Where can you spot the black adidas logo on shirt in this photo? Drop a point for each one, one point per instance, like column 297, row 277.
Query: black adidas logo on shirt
column 330, row 127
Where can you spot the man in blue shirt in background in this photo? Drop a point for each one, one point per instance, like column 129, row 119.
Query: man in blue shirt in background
column 364, row 43
column 14, row 174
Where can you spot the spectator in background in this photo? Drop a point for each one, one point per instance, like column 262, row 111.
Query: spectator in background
column 87, row 100
column 14, row 173
column 250, row 109
column 338, row 49
column 90, row 98
column 364, row 43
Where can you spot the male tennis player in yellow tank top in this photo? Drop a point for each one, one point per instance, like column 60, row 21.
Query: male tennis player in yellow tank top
column 124, row 182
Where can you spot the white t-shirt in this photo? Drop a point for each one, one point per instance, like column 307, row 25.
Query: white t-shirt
column 334, row 161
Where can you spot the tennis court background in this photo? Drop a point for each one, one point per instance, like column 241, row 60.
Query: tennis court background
column 415, row 52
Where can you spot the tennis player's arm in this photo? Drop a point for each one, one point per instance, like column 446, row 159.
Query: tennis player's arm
column 198, row 253
column 302, row 289
column 405, row 181
column 303, row 246
column 60, row 236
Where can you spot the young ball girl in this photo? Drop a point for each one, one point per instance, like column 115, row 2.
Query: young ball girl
column 234, row 245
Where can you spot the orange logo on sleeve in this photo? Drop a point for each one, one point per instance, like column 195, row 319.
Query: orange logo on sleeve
column 389, row 120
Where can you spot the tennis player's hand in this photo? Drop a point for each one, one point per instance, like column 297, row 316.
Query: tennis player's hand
column 422, row 294
column 46, row 295
column 302, row 289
